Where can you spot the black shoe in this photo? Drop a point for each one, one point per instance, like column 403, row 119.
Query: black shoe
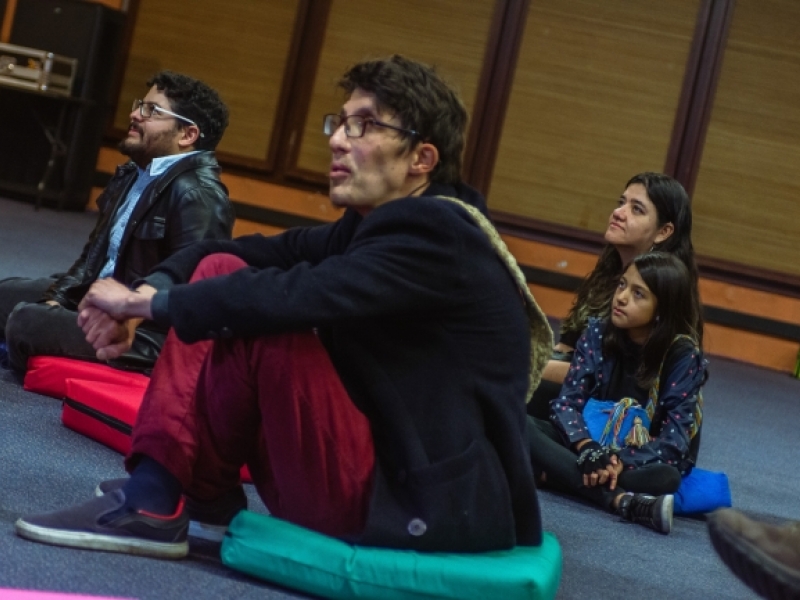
column 765, row 557
column 105, row 523
column 651, row 511
column 207, row 520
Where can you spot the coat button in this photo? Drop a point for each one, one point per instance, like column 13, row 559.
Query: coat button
column 417, row 527
column 226, row 332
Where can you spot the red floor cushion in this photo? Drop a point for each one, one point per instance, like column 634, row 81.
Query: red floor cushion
column 106, row 412
column 47, row 375
column 102, row 411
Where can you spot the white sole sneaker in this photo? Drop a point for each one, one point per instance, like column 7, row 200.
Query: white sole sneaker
column 96, row 541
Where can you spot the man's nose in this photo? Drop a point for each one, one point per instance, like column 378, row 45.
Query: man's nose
column 338, row 139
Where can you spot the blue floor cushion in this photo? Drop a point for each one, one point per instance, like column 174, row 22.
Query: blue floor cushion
column 702, row 491
column 301, row 559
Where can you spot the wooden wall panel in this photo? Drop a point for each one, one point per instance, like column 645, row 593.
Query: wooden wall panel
column 593, row 102
column 239, row 47
column 116, row 4
column 746, row 199
column 7, row 9
column 449, row 34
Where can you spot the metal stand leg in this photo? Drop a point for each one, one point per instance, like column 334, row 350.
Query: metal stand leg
column 57, row 149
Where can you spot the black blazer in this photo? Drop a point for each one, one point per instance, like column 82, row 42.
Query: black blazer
column 429, row 335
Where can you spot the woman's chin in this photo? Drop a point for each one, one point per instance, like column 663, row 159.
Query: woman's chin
column 610, row 236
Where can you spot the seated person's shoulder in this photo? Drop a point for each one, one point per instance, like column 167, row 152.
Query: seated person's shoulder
column 685, row 349
column 425, row 209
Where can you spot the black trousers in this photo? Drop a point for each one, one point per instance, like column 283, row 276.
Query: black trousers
column 33, row 328
column 539, row 406
column 550, row 456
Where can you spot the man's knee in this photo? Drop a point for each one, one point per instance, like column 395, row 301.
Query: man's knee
column 20, row 333
column 14, row 290
column 21, row 319
column 217, row 264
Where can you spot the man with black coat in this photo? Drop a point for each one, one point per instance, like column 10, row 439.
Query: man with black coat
column 166, row 198
column 372, row 373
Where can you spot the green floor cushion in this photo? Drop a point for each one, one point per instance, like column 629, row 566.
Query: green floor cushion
column 301, row 559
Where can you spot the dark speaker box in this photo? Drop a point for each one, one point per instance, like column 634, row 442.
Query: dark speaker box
column 91, row 33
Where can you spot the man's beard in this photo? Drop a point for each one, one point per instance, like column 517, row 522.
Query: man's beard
column 142, row 151
column 129, row 148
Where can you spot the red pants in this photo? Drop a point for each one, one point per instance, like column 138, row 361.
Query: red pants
column 274, row 403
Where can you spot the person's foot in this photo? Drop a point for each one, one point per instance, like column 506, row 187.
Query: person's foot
column 106, row 523
column 651, row 511
column 207, row 520
column 765, row 557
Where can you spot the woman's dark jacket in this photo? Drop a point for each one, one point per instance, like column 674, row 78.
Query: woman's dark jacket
column 429, row 335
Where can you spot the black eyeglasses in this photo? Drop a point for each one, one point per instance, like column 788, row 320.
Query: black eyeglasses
column 147, row 109
column 356, row 125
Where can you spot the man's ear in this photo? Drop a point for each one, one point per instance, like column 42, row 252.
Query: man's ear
column 190, row 134
column 426, row 157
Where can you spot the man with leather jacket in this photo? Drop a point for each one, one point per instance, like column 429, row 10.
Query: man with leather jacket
column 166, row 198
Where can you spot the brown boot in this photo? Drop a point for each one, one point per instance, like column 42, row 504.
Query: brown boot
column 766, row 557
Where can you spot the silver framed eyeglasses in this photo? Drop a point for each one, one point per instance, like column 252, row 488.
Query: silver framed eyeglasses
column 147, row 109
column 356, row 125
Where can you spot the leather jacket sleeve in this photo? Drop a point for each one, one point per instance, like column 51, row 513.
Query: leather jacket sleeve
column 73, row 277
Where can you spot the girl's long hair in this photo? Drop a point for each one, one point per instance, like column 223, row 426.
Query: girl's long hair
column 676, row 313
column 593, row 298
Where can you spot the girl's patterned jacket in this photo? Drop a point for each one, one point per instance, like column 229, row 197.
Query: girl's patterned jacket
column 678, row 410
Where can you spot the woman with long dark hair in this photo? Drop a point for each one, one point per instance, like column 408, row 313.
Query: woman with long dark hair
column 653, row 213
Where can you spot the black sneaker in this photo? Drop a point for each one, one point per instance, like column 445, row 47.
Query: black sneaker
column 105, row 523
column 207, row 520
column 651, row 511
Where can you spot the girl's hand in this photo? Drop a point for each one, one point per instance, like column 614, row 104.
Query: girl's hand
column 594, row 461
column 603, row 476
column 614, row 469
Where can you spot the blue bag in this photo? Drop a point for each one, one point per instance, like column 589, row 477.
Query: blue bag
column 617, row 424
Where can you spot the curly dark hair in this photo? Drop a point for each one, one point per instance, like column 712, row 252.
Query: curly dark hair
column 423, row 102
column 197, row 101
column 673, row 205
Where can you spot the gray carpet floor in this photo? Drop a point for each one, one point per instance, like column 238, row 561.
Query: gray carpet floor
column 750, row 432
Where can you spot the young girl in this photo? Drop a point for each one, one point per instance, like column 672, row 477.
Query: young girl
column 646, row 351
